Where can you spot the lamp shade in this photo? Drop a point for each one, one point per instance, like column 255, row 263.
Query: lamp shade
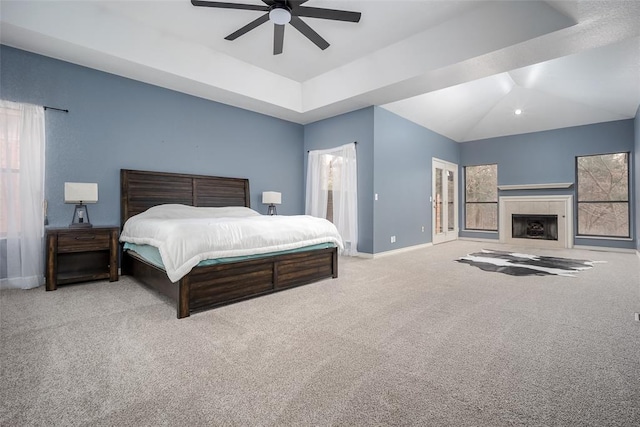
column 271, row 198
column 80, row 192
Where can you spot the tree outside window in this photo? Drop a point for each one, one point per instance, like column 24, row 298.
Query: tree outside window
column 603, row 195
column 481, row 197
column 330, row 184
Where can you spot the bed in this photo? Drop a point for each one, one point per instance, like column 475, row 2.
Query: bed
column 210, row 286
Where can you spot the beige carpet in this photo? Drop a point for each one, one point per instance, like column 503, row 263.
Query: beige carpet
column 408, row 339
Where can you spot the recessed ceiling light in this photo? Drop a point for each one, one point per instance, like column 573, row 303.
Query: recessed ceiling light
column 518, row 112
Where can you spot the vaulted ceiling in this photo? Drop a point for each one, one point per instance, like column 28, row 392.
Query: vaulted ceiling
column 460, row 68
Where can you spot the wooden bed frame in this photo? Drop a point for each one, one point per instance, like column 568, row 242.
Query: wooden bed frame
column 211, row 286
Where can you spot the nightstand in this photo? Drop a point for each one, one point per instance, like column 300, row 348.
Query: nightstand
column 81, row 254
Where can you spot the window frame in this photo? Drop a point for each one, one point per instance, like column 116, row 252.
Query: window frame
column 496, row 203
column 578, row 202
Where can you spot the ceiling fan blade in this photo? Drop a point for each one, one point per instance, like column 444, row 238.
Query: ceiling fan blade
column 308, row 32
column 334, row 15
column 250, row 26
column 224, row 5
column 289, row 3
column 278, row 39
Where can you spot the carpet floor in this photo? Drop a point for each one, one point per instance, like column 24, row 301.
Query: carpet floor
column 414, row 338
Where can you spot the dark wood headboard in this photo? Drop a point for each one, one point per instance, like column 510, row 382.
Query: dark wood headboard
column 141, row 190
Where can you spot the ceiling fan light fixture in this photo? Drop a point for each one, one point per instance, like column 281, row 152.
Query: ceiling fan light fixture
column 280, row 15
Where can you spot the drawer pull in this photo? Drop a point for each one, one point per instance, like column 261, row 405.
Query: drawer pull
column 85, row 237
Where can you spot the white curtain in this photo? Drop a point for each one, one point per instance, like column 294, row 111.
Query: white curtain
column 336, row 170
column 22, row 142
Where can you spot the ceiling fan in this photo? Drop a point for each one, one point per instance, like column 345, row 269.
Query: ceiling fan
column 282, row 12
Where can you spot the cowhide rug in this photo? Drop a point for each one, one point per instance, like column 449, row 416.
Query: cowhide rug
column 517, row 264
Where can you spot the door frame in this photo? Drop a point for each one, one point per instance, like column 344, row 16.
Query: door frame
column 447, row 235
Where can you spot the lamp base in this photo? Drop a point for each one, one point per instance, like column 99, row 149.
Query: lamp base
column 272, row 210
column 80, row 217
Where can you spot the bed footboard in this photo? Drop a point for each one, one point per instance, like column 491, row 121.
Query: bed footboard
column 216, row 285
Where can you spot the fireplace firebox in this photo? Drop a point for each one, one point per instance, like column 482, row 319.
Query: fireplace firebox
column 541, row 227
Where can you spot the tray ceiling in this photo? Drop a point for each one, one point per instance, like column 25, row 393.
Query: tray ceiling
column 459, row 68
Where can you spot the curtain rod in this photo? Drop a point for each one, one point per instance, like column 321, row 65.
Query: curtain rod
column 57, row 109
column 355, row 142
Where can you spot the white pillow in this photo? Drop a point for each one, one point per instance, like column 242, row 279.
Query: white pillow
column 175, row 211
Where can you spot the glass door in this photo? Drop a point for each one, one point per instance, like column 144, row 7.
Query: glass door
column 444, row 201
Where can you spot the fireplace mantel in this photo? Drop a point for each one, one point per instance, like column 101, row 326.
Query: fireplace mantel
column 547, row 186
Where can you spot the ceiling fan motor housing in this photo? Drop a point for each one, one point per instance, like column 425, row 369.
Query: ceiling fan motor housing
column 280, row 14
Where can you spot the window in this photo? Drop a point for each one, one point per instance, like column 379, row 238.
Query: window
column 22, row 141
column 603, row 195
column 332, row 191
column 333, row 167
column 9, row 167
column 481, row 197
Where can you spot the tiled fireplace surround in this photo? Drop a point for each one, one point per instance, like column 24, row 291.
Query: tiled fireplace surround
column 561, row 205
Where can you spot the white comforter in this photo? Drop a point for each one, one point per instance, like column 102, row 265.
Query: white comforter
column 186, row 235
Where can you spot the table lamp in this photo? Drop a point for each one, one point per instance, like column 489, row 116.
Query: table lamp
column 80, row 193
column 271, row 198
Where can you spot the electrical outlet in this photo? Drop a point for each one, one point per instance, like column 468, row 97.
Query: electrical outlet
column 423, row 228
column 375, row 196
column 393, row 239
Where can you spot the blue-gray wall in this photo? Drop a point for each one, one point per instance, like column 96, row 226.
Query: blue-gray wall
column 403, row 153
column 356, row 126
column 549, row 157
column 636, row 174
column 394, row 161
column 115, row 123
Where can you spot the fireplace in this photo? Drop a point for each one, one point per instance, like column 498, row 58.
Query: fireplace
column 541, row 221
column 541, row 227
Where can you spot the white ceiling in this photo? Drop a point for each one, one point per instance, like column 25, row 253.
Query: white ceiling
column 459, row 68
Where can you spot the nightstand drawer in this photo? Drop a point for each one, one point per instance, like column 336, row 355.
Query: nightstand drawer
column 83, row 241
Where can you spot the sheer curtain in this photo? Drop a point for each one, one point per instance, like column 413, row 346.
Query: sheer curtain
column 21, row 195
column 334, row 173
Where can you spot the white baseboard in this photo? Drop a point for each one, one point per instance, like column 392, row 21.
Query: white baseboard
column 585, row 247
column 427, row 245
column 605, row 249
column 478, row 239
column 365, row 255
column 395, row 251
